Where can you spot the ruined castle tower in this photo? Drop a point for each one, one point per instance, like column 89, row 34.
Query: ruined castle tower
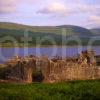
column 87, row 57
column 20, row 69
column 92, row 58
column 87, row 67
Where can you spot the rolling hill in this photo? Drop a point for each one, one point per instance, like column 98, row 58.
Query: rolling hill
column 70, row 30
column 55, row 32
column 96, row 31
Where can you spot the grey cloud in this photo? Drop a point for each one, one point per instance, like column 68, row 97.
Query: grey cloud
column 7, row 6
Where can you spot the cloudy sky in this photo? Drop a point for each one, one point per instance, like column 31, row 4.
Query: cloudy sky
column 85, row 13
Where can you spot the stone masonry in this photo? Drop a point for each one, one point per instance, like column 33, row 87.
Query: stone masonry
column 53, row 70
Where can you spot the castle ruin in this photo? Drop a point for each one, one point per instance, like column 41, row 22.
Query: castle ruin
column 42, row 69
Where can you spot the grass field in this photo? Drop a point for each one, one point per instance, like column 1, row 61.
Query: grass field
column 75, row 90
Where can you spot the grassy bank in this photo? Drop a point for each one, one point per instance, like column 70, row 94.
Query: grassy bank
column 76, row 90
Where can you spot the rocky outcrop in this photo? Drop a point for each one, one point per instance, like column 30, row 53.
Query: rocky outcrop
column 53, row 70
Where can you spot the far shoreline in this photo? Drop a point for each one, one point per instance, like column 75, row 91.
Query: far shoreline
column 48, row 46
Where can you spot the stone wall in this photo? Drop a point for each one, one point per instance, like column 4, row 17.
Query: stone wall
column 54, row 70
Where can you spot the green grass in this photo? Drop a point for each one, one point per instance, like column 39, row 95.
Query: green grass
column 76, row 90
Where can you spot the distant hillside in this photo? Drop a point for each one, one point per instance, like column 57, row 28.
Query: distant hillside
column 70, row 30
column 17, row 31
column 77, row 30
column 96, row 31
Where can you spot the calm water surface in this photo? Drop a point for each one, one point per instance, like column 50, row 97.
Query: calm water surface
column 6, row 53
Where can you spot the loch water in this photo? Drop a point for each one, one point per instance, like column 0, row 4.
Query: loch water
column 7, row 53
